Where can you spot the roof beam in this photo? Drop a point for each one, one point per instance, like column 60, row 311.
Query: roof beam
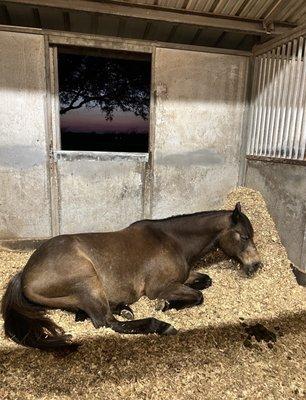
column 226, row 23
column 280, row 40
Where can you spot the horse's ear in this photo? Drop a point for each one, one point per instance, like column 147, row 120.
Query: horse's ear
column 236, row 213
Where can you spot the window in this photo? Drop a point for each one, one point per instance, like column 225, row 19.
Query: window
column 104, row 101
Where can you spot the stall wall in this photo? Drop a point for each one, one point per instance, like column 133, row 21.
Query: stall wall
column 24, row 200
column 284, row 189
column 196, row 124
column 99, row 193
column 200, row 102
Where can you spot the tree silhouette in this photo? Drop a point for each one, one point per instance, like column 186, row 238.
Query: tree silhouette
column 108, row 83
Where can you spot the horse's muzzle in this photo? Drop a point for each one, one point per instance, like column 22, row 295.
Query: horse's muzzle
column 250, row 269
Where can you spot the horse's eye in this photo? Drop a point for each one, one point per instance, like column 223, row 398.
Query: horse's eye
column 244, row 238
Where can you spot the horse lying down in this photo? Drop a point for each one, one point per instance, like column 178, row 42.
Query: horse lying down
column 97, row 275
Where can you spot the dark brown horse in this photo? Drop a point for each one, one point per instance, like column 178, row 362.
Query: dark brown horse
column 97, row 275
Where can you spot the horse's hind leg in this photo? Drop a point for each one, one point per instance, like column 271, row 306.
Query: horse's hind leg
column 198, row 281
column 180, row 296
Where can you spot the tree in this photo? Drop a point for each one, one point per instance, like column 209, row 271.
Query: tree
column 108, row 83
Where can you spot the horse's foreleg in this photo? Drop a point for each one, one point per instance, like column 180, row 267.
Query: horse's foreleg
column 120, row 309
column 95, row 304
column 180, row 296
column 141, row 326
column 198, row 281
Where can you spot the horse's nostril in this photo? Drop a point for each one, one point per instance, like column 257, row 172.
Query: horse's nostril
column 252, row 268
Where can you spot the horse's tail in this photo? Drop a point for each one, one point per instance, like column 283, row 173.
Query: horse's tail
column 26, row 324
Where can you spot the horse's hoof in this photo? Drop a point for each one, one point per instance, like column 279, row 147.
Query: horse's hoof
column 207, row 281
column 170, row 331
column 127, row 314
column 162, row 305
column 80, row 316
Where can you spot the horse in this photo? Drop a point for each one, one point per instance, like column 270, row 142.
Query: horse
column 99, row 275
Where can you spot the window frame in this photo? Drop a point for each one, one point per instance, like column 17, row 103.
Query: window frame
column 55, row 145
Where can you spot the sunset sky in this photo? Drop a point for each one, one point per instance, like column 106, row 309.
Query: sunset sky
column 93, row 120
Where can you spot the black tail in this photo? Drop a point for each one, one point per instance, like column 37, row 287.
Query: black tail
column 26, row 324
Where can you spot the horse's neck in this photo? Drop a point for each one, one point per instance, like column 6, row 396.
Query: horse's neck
column 196, row 234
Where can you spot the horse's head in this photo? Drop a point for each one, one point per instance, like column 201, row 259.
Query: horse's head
column 237, row 241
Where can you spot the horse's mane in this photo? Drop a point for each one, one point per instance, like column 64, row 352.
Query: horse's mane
column 196, row 214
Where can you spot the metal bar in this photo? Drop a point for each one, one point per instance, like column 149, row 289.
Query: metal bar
column 273, row 100
column 300, row 144
column 296, row 96
column 283, row 102
column 244, row 135
column 270, row 114
column 290, row 99
column 265, row 104
column 269, row 85
column 276, row 132
column 254, row 108
column 260, row 104
column 145, row 12
column 276, row 100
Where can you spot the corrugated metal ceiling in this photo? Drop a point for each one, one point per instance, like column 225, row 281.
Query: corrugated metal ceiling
column 277, row 10
column 293, row 11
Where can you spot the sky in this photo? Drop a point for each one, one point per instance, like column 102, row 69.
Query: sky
column 93, row 120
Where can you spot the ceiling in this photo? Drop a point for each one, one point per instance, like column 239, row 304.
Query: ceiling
column 278, row 10
column 230, row 24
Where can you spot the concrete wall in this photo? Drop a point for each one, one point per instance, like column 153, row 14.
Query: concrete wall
column 99, row 193
column 24, row 200
column 200, row 101
column 284, row 189
column 195, row 142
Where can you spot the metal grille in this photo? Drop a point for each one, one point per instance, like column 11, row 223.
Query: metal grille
column 278, row 107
